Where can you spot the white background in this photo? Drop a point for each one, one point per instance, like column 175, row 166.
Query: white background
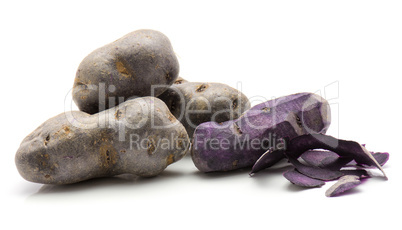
column 350, row 51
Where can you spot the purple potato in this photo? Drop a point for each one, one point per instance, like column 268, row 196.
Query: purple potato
column 139, row 136
column 129, row 67
column 239, row 143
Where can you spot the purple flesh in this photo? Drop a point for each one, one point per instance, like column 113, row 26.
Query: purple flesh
column 344, row 184
column 268, row 159
column 228, row 145
column 325, row 158
column 301, row 180
column 315, row 172
column 315, row 157
column 335, row 164
column 348, row 149
column 361, row 173
column 381, row 158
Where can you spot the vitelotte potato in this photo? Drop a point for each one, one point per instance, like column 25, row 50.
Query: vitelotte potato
column 139, row 136
column 127, row 67
column 239, row 143
column 193, row 103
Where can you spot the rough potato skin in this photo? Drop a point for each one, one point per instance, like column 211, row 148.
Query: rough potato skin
column 76, row 146
column 193, row 103
column 127, row 67
column 239, row 143
column 179, row 81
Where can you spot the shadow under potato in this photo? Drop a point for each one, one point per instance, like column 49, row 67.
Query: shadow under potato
column 105, row 182
column 279, row 168
column 217, row 175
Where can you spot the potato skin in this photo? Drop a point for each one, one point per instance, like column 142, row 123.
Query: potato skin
column 127, row 67
column 193, row 103
column 76, row 146
column 179, row 81
column 239, row 143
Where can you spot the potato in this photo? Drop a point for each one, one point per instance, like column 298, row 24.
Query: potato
column 127, row 67
column 193, row 103
column 239, row 143
column 139, row 136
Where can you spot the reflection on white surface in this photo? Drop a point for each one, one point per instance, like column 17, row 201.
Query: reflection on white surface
column 179, row 176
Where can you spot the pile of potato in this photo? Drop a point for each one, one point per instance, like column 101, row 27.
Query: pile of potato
column 136, row 116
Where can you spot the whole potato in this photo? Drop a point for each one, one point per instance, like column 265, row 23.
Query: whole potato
column 139, row 136
column 127, row 67
column 193, row 103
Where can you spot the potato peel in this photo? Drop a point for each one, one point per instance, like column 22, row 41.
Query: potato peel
column 344, row 184
column 299, row 179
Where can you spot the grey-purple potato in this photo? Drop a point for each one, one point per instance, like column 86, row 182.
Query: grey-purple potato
column 139, row 136
column 193, row 103
column 123, row 69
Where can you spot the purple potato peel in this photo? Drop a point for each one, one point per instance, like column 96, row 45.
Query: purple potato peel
column 344, row 184
column 349, row 149
column 299, row 179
